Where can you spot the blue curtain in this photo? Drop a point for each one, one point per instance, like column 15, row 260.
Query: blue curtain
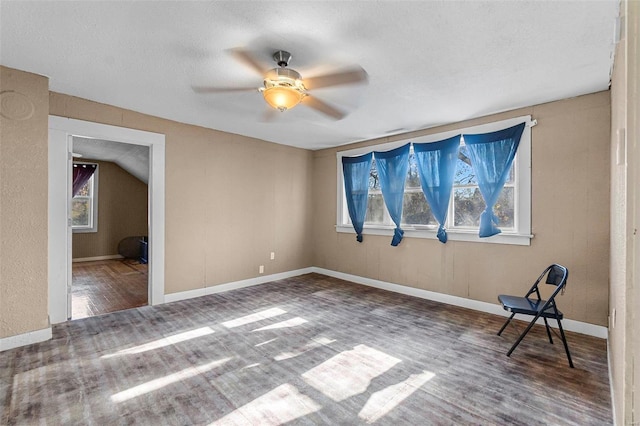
column 392, row 172
column 356, row 188
column 437, row 167
column 491, row 158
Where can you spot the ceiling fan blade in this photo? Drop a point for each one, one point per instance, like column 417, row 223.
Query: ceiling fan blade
column 323, row 107
column 350, row 76
column 207, row 89
column 247, row 58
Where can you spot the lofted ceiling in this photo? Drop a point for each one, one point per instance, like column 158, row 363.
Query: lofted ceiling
column 428, row 62
column 132, row 158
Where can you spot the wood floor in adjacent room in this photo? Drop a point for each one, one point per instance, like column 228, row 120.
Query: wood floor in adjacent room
column 104, row 286
column 307, row 350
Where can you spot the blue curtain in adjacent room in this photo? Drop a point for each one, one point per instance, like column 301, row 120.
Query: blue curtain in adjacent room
column 356, row 188
column 491, row 158
column 437, row 167
column 392, row 172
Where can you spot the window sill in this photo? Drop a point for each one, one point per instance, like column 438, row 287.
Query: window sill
column 84, row 230
column 452, row 235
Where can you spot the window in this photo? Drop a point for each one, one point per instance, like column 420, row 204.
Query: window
column 415, row 209
column 466, row 204
column 84, row 207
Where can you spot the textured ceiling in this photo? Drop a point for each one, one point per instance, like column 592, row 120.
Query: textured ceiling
column 428, row 63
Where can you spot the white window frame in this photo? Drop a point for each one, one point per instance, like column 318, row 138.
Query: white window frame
column 93, row 226
column 519, row 235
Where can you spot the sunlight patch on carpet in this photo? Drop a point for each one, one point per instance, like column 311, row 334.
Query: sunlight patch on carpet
column 293, row 322
column 279, row 406
column 165, row 341
column 382, row 402
column 256, row 364
column 266, row 342
column 314, row 343
column 350, row 372
column 258, row 316
column 161, row 382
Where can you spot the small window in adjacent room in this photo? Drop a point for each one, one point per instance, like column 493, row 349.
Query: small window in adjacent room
column 84, row 205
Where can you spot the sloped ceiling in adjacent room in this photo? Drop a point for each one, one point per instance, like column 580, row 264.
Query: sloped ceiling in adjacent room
column 132, row 158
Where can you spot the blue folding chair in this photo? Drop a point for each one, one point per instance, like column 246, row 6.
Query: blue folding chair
column 536, row 307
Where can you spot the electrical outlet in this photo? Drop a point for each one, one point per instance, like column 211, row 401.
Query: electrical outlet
column 273, row 255
column 261, row 270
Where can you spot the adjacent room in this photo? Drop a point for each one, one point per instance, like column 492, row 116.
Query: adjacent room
column 109, row 211
column 269, row 213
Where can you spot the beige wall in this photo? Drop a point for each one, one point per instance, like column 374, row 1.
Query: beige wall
column 230, row 200
column 570, row 220
column 23, row 202
column 624, row 338
column 122, row 212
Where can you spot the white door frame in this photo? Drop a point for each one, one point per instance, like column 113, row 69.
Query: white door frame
column 60, row 132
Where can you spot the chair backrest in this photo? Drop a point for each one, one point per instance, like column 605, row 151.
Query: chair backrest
column 557, row 276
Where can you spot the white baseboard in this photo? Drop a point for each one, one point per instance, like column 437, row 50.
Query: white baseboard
column 12, row 342
column 491, row 308
column 91, row 259
column 173, row 297
column 184, row 295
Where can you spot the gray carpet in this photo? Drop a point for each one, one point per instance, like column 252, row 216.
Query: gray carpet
column 307, row 350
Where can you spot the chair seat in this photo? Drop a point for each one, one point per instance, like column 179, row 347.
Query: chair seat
column 524, row 305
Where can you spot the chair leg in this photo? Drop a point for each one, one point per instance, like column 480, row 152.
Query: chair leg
column 566, row 346
column 524, row 333
column 546, row 324
column 505, row 324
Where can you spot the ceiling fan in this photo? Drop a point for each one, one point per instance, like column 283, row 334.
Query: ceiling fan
column 283, row 88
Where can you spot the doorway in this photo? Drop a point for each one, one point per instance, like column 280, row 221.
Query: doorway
column 62, row 132
column 109, row 219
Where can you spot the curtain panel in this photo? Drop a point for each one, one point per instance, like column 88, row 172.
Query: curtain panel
column 392, row 171
column 437, row 167
column 491, row 156
column 356, row 188
column 81, row 175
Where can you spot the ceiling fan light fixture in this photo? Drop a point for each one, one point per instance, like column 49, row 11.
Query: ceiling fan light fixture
column 282, row 98
column 283, row 89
